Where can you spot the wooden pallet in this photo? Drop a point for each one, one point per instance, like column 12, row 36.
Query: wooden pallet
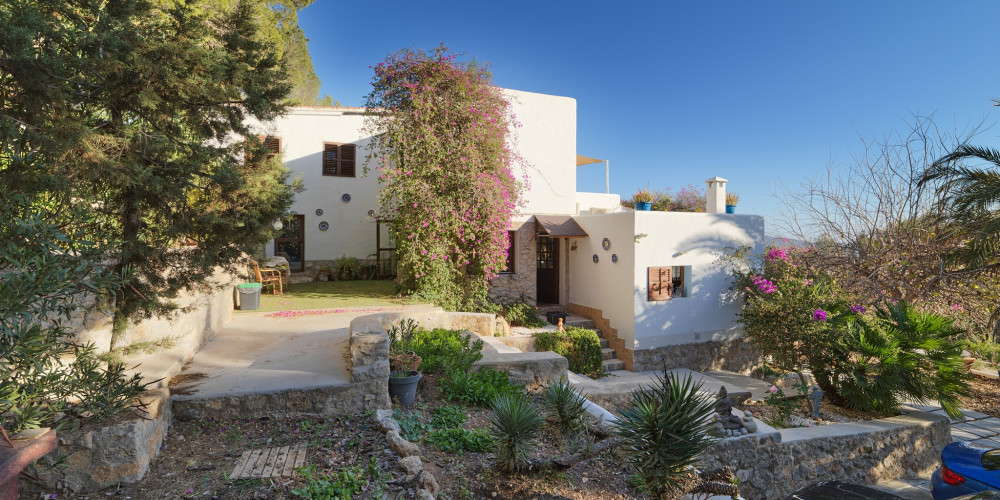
column 269, row 462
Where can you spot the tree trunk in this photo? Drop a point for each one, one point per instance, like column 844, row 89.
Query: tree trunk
column 125, row 302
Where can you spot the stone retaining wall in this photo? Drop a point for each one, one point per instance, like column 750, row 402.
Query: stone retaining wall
column 734, row 355
column 367, row 390
column 773, row 465
column 104, row 454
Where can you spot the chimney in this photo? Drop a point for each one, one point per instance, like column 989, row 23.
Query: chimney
column 715, row 195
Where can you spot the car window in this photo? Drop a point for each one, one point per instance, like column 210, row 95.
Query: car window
column 991, row 460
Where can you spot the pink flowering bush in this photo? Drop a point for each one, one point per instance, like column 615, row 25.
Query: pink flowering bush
column 801, row 319
column 439, row 139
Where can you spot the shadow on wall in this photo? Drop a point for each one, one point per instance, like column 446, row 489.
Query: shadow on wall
column 711, row 305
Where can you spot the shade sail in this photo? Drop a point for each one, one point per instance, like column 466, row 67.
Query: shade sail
column 584, row 160
column 559, row 226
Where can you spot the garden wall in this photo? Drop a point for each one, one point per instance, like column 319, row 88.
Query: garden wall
column 773, row 465
column 174, row 339
column 104, row 454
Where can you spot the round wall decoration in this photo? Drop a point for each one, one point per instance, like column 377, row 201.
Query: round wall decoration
column 319, row 211
column 346, row 198
column 323, row 226
column 614, row 258
column 606, row 243
column 371, row 213
column 596, row 258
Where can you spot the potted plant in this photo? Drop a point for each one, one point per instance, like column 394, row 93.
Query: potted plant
column 643, row 199
column 731, row 200
column 403, row 364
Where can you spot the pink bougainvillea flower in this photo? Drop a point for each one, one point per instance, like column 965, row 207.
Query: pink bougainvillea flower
column 773, row 389
column 819, row 315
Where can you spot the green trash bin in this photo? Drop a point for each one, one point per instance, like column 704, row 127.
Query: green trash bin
column 249, row 296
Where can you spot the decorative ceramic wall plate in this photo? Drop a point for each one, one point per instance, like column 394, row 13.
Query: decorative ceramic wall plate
column 323, row 226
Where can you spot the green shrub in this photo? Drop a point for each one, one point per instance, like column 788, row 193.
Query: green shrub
column 448, row 417
column 521, row 313
column 581, row 347
column 985, row 350
column 411, row 424
column 663, row 429
column 477, row 388
column 900, row 352
column 515, row 428
column 347, row 268
column 440, row 350
column 564, row 406
column 458, row 440
column 444, row 351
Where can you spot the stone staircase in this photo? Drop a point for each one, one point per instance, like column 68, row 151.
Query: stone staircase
column 611, row 362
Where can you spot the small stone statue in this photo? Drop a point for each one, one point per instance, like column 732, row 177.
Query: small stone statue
column 815, row 397
column 725, row 410
column 561, row 327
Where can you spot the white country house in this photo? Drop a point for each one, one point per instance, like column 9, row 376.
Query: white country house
column 650, row 280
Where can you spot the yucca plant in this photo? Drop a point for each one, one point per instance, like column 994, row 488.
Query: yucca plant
column 515, row 426
column 732, row 198
column 564, row 406
column 663, row 429
column 901, row 353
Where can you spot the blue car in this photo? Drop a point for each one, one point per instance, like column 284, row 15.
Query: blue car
column 966, row 468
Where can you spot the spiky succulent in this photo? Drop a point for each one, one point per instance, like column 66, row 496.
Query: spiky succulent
column 515, row 426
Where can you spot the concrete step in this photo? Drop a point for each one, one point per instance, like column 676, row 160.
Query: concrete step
column 758, row 389
column 580, row 322
column 608, row 352
column 611, row 365
column 604, row 343
column 544, row 308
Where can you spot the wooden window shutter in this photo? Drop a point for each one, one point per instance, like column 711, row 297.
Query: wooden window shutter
column 273, row 145
column 338, row 159
column 660, row 285
column 330, row 156
column 347, row 160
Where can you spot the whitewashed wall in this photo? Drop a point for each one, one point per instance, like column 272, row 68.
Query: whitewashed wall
column 303, row 131
column 696, row 240
column 595, row 203
column 605, row 285
column 546, row 140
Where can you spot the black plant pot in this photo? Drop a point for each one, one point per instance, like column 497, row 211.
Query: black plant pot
column 403, row 388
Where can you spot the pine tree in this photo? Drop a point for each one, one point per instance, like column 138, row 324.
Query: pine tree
column 136, row 113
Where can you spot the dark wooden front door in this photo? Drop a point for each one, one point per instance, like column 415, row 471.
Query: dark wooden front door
column 547, row 280
column 291, row 243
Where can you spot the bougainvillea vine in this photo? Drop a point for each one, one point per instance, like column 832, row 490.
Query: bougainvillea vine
column 439, row 140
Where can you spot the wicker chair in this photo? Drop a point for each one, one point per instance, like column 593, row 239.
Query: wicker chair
column 268, row 278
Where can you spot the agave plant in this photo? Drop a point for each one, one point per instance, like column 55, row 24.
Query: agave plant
column 564, row 406
column 663, row 429
column 515, row 426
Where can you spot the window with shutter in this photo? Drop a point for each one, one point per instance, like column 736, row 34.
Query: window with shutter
column 659, row 286
column 273, row 145
column 338, row 159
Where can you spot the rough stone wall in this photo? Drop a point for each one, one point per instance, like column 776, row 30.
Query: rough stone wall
column 367, row 390
column 522, row 283
column 734, row 355
column 771, row 466
column 104, row 454
column 202, row 315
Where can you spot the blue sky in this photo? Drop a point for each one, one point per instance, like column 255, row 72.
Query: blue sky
column 673, row 93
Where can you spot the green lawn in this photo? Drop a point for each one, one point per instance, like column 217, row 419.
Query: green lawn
column 333, row 294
